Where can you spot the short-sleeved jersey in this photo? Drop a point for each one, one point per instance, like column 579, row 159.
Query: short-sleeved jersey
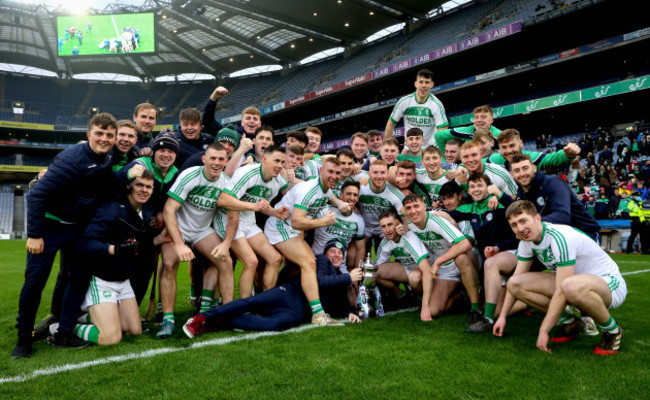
column 562, row 246
column 428, row 116
column 310, row 170
column 347, row 228
column 247, row 184
column 199, row 197
column 310, row 196
column 432, row 185
column 354, row 178
column 500, row 177
column 372, row 203
column 409, row 250
column 438, row 235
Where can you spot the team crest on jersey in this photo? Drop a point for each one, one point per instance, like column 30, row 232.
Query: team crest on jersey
column 540, row 201
column 489, row 217
column 545, row 256
column 107, row 294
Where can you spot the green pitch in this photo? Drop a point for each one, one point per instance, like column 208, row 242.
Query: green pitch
column 392, row 357
column 105, row 27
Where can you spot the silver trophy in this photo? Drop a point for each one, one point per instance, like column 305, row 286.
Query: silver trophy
column 369, row 300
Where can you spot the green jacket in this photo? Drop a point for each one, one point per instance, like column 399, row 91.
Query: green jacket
column 463, row 133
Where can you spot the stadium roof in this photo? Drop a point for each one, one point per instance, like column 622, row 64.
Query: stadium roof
column 214, row 37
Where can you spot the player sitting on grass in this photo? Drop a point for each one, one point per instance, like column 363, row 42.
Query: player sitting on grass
column 285, row 305
column 411, row 264
column 583, row 276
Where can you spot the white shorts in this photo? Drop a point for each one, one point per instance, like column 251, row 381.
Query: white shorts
column 220, row 222
column 618, row 287
column 410, row 268
column 278, row 231
column 192, row 238
column 449, row 272
column 247, row 231
column 101, row 291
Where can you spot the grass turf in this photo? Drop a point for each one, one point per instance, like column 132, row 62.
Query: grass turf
column 392, row 357
column 105, row 27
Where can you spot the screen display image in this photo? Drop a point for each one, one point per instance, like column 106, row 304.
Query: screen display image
column 84, row 35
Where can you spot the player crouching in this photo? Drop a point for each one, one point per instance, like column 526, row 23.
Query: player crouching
column 583, row 276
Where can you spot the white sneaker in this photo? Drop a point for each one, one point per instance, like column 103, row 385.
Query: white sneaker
column 54, row 328
column 325, row 320
column 590, row 328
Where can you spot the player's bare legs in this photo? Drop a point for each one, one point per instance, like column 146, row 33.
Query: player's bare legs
column 260, row 244
column 299, row 252
column 248, row 258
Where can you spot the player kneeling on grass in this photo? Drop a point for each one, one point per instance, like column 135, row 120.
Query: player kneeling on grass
column 583, row 276
column 411, row 264
column 110, row 244
column 284, row 306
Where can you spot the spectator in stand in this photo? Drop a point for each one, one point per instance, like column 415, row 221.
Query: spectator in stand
column 641, row 189
column 614, row 201
column 605, row 155
column 602, row 206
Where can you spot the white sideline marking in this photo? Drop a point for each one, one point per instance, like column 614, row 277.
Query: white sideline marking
column 636, row 272
column 117, row 32
column 155, row 352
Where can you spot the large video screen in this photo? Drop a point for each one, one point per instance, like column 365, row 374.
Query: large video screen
column 84, row 35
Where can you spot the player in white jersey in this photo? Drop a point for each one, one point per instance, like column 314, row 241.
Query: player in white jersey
column 448, row 249
column 432, row 177
column 350, row 171
column 348, row 229
column 188, row 214
column 375, row 198
column 304, row 202
column 420, row 110
column 583, row 276
column 470, row 155
column 411, row 264
column 250, row 190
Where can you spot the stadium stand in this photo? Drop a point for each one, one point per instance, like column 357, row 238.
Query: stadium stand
column 6, row 209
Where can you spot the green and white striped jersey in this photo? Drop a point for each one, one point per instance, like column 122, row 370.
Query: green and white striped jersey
column 409, row 250
column 199, row 197
column 432, row 185
column 372, row 203
column 562, row 246
column 428, row 116
column 438, row 235
column 247, row 184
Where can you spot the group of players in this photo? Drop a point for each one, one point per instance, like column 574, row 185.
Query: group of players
column 128, row 41
column 444, row 213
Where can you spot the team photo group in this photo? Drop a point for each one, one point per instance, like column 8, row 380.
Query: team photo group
column 275, row 232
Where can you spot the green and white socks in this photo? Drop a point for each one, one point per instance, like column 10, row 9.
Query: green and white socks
column 316, row 307
column 89, row 333
column 610, row 326
column 206, row 300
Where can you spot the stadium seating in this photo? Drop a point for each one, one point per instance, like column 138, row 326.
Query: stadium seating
column 6, row 209
column 68, row 101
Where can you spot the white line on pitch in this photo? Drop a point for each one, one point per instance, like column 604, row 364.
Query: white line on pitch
column 156, row 352
column 635, row 272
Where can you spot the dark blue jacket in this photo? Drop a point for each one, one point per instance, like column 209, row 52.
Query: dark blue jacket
column 490, row 226
column 143, row 141
column 333, row 288
column 210, row 123
column 115, row 222
column 189, row 147
column 75, row 182
column 556, row 203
